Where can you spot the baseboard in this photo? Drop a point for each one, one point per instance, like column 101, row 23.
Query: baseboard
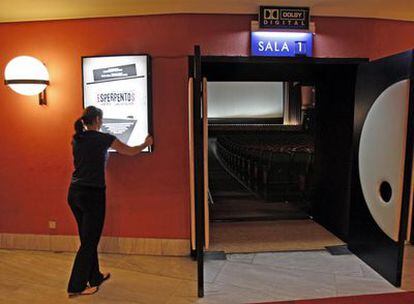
column 122, row 245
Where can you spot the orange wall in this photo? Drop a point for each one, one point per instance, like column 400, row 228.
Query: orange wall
column 148, row 194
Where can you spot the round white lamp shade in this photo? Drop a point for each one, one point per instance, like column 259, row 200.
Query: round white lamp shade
column 26, row 75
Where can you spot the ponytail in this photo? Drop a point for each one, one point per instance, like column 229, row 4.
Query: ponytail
column 79, row 126
column 89, row 116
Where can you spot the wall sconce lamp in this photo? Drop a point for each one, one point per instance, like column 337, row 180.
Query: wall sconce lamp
column 27, row 76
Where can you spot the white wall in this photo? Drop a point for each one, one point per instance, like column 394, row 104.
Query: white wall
column 245, row 99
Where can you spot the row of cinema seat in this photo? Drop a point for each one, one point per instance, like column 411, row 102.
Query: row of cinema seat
column 278, row 168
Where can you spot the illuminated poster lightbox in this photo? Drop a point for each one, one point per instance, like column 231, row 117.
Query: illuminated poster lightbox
column 121, row 86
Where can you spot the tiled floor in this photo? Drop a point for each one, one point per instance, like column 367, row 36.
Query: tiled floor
column 250, row 278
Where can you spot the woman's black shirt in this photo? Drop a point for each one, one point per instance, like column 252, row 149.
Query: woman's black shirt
column 90, row 152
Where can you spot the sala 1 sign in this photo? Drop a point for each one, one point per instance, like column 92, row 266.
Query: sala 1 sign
column 281, row 44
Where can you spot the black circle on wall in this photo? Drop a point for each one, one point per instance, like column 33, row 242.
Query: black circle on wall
column 385, row 191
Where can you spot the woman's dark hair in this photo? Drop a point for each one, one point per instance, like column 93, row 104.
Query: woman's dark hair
column 88, row 118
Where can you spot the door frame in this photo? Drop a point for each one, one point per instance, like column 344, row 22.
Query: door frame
column 240, row 67
column 409, row 168
column 198, row 158
column 194, row 67
column 408, row 164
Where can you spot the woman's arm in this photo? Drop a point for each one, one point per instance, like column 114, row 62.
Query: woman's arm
column 124, row 149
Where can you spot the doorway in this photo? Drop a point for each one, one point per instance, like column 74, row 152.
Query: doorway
column 260, row 167
column 268, row 163
column 330, row 204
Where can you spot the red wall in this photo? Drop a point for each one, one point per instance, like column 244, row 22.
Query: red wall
column 147, row 195
column 357, row 37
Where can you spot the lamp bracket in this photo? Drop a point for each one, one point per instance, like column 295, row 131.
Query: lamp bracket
column 43, row 98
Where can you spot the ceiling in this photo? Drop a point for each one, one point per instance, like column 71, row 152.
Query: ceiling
column 31, row 10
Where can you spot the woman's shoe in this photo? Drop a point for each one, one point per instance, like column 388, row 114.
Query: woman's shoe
column 87, row 292
column 106, row 276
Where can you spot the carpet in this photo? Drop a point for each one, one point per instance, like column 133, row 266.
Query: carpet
column 270, row 236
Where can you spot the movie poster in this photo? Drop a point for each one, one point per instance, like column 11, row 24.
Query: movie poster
column 119, row 86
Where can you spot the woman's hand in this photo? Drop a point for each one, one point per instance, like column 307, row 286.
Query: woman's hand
column 148, row 141
column 131, row 151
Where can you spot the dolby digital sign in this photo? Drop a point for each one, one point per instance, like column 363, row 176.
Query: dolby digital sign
column 120, row 85
column 278, row 17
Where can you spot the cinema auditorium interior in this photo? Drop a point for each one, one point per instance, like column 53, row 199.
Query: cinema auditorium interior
column 207, row 151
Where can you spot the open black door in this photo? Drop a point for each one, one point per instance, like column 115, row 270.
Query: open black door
column 382, row 160
column 198, row 148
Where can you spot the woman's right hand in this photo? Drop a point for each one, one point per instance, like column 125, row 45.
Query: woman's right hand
column 148, row 141
column 131, row 151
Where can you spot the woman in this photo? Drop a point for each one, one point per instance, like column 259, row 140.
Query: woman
column 87, row 196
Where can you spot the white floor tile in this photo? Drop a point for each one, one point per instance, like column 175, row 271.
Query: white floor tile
column 359, row 286
column 317, row 261
column 289, row 276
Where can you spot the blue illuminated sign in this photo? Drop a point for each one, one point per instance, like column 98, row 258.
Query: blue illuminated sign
column 281, row 44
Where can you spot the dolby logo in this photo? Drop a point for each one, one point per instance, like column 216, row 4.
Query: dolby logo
column 284, row 17
column 271, row 14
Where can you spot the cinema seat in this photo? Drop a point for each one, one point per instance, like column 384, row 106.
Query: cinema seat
column 300, row 173
column 275, row 176
column 276, row 167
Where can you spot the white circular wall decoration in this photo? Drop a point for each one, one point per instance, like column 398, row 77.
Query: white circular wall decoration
column 381, row 156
